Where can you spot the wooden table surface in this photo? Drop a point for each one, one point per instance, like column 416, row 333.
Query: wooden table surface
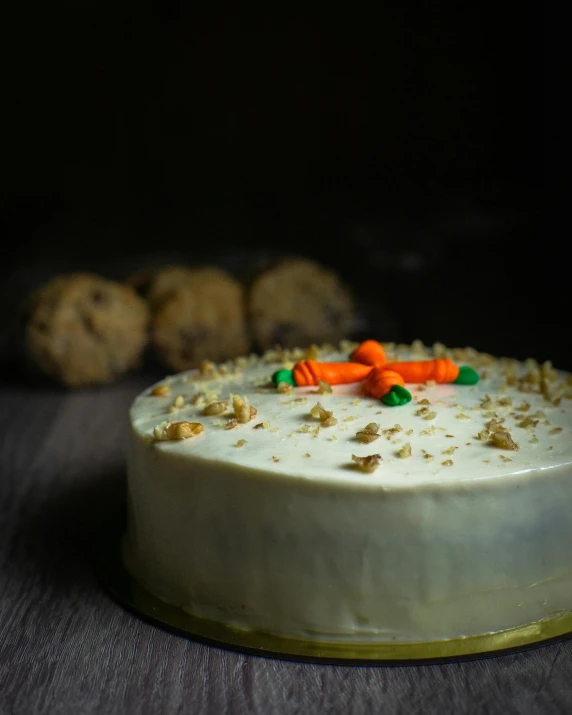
column 66, row 647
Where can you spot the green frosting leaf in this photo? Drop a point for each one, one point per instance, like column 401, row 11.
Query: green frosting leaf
column 283, row 376
column 397, row 396
column 391, row 399
column 467, row 376
column 402, row 393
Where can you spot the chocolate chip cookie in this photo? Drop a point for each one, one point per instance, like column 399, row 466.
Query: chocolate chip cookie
column 156, row 285
column 82, row 329
column 197, row 315
column 297, row 303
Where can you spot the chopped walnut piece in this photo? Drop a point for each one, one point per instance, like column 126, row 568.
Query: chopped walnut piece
column 439, row 350
column 421, row 411
column 307, row 454
column 505, row 401
column 240, row 443
column 312, row 353
column 315, row 412
column 179, row 401
column 427, row 456
column 324, row 388
column 548, row 372
column 483, row 435
column 463, row 416
column 496, row 426
column 524, row 407
column 369, row 433
column 546, row 390
column 430, row 416
column 231, row 424
column 555, row 430
column 161, row 391
column 527, row 422
column 216, row 408
column 503, row 440
column 533, row 439
column 424, row 401
column 275, row 459
column 405, row 451
column 392, row 431
column 487, row 403
column 305, row 429
column 447, row 463
column 197, row 398
column 177, row 430
column 262, row 425
column 326, row 417
column 207, row 369
column 285, row 388
column 450, row 450
column 367, row 464
column 242, row 410
column 449, row 435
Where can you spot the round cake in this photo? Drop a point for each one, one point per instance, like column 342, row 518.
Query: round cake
column 267, row 497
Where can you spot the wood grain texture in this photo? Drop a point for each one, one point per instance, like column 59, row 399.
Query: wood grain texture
column 65, row 647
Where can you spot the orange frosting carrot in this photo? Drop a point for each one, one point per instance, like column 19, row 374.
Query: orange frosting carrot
column 310, row 372
column 370, row 352
column 381, row 380
column 439, row 369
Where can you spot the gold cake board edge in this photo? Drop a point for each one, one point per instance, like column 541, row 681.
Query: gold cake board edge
column 105, row 549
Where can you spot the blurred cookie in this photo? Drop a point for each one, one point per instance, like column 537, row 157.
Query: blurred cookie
column 200, row 318
column 156, row 285
column 82, row 329
column 297, row 303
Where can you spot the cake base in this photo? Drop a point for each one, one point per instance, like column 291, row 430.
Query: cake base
column 106, row 556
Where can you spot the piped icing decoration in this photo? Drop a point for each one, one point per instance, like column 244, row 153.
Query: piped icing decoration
column 310, row 372
column 381, row 380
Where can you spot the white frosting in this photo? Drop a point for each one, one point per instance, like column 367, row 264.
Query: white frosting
column 264, row 537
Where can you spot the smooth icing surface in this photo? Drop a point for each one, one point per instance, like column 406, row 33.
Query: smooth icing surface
column 286, row 535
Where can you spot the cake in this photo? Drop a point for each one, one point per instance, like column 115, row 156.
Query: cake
column 322, row 513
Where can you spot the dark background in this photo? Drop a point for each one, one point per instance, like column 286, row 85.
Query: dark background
column 402, row 148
